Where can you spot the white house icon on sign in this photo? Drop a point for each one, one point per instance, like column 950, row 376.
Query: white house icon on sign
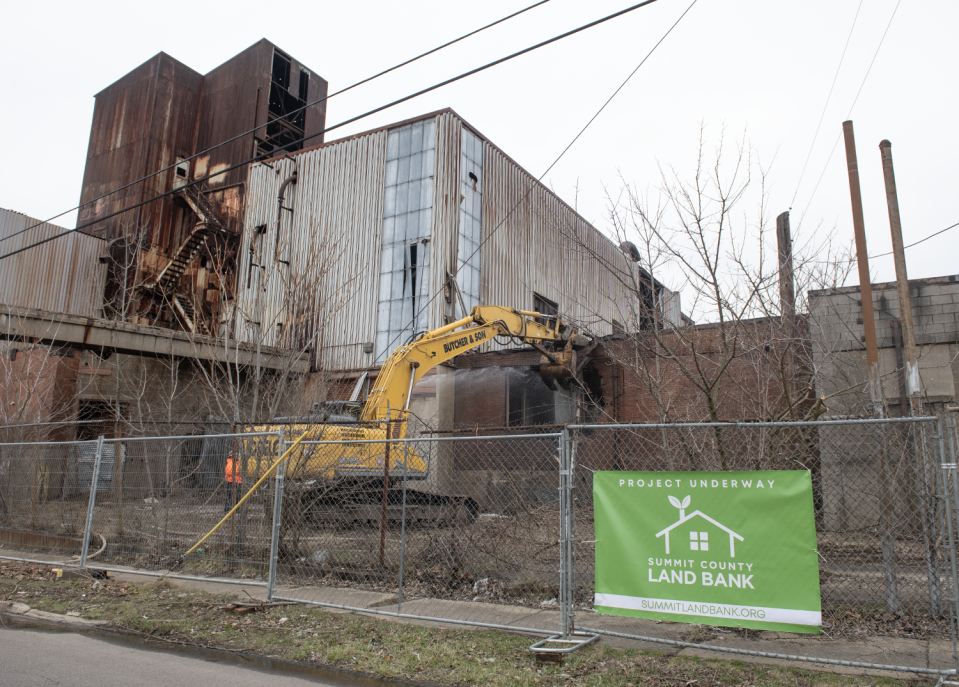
column 698, row 540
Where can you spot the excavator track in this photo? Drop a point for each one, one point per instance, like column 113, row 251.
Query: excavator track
column 357, row 505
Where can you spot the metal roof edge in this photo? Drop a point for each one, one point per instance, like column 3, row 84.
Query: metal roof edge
column 157, row 58
column 479, row 134
column 881, row 286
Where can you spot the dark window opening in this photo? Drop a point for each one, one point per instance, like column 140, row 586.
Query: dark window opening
column 413, row 251
column 180, row 172
column 593, row 400
column 647, row 308
column 99, row 418
column 544, row 306
column 281, row 69
column 286, row 120
column 253, row 265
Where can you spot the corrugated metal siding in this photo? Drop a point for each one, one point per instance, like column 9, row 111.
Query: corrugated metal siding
column 543, row 246
column 61, row 276
column 534, row 243
column 332, row 242
column 449, row 149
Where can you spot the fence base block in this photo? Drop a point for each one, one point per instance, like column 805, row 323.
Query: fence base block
column 575, row 641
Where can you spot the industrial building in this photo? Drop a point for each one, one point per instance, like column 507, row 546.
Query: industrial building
column 318, row 258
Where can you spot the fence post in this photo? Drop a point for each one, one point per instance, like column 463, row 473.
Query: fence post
column 950, row 498
column 93, row 500
column 572, row 455
column 564, row 600
column 406, row 457
column 277, row 515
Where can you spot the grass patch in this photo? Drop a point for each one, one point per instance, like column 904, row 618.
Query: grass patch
column 379, row 647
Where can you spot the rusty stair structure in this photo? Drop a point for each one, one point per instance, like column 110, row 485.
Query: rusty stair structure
column 202, row 238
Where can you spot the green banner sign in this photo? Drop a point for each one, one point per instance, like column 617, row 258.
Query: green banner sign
column 736, row 549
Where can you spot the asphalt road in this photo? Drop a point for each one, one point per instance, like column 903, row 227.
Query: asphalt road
column 29, row 658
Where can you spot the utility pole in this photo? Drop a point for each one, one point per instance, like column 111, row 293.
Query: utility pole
column 787, row 306
column 787, row 288
column 862, row 258
column 910, row 359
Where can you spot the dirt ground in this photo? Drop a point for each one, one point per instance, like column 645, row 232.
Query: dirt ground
column 166, row 612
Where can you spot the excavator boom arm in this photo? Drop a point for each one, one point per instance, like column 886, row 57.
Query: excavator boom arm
column 408, row 363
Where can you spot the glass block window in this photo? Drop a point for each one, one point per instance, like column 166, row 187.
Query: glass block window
column 471, row 221
column 407, row 228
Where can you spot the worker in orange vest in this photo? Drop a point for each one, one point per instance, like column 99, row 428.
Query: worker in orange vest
column 233, row 480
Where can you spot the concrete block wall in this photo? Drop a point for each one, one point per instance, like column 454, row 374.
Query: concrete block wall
column 837, row 340
column 835, row 313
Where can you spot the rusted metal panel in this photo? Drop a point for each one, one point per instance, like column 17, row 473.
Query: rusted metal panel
column 236, row 99
column 162, row 111
column 233, row 101
column 63, row 276
column 140, row 124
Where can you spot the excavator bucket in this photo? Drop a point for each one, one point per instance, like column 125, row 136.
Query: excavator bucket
column 560, row 368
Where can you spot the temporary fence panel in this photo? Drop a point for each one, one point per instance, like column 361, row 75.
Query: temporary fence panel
column 43, row 496
column 499, row 530
column 876, row 486
column 443, row 528
column 948, row 444
column 167, row 492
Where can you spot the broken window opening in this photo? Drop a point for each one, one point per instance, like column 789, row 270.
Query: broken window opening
column 98, row 418
column 528, row 400
column 253, row 264
column 281, row 69
column 286, row 120
column 647, row 307
column 544, row 306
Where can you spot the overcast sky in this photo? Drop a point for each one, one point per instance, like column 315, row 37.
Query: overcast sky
column 747, row 65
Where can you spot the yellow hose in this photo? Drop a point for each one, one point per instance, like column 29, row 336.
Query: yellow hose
column 247, row 495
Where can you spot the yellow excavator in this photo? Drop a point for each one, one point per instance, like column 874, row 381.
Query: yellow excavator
column 348, row 479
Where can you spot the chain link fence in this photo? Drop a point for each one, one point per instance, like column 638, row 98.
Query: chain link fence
column 884, row 556
column 443, row 527
column 165, row 493
column 44, row 488
column 497, row 528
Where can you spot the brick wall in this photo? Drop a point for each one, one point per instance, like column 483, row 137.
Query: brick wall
column 38, row 386
column 749, row 387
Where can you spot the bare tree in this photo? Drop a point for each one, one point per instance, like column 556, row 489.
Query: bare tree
column 709, row 235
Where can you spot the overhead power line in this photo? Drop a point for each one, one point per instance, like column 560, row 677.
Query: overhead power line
column 825, row 105
column 851, row 107
column 345, row 122
column 555, row 162
column 941, row 231
column 290, row 114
